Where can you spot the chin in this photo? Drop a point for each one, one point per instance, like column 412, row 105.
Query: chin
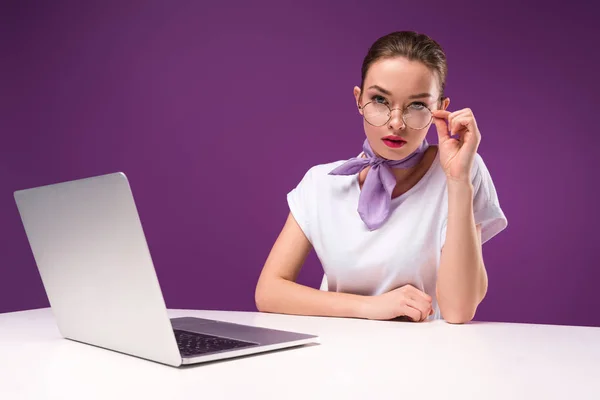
column 398, row 152
column 392, row 154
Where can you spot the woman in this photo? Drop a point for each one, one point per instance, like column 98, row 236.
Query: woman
column 399, row 228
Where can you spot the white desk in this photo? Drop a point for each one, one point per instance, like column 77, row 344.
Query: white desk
column 357, row 359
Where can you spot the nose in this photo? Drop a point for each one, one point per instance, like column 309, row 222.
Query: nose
column 396, row 122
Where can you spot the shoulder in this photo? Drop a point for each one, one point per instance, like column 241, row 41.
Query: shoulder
column 478, row 164
column 320, row 172
column 315, row 187
column 481, row 178
column 479, row 170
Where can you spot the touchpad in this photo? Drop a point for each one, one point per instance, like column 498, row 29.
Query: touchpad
column 190, row 323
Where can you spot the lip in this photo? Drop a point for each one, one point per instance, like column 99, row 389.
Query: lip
column 394, row 138
column 393, row 141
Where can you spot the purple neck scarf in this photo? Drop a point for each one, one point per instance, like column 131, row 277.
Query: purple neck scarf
column 375, row 197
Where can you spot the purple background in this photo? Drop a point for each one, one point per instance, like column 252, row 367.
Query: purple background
column 216, row 109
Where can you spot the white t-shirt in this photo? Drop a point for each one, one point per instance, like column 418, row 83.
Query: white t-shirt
column 406, row 249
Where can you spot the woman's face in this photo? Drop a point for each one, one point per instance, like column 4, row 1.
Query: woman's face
column 400, row 84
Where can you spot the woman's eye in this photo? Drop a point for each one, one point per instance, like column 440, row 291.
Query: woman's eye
column 417, row 105
column 379, row 99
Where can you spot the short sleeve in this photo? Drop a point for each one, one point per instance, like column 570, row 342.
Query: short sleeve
column 486, row 204
column 300, row 202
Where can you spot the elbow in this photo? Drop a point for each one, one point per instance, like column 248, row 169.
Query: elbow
column 458, row 310
column 458, row 314
column 262, row 299
column 262, row 305
column 459, row 317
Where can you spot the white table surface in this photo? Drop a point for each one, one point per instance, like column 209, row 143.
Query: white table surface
column 356, row 359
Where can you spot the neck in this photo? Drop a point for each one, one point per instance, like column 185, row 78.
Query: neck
column 403, row 175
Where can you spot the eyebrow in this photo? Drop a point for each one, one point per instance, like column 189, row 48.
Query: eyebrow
column 387, row 92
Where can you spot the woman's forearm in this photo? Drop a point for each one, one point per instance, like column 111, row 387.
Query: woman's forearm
column 278, row 295
column 462, row 280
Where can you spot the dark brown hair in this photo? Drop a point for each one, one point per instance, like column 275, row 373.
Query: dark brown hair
column 412, row 45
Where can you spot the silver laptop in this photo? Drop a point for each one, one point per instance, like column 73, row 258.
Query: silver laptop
column 95, row 265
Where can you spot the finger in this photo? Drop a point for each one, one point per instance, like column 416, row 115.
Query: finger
column 465, row 112
column 423, row 308
column 439, row 119
column 460, row 123
column 421, row 297
column 461, row 112
column 422, row 305
column 419, row 293
column 412, row 313
column 443, row 114
column 431, row 312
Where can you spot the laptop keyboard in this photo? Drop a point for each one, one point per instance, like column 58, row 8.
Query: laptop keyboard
column 193, row 344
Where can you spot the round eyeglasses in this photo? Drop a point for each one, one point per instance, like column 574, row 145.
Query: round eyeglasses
column 415, row 116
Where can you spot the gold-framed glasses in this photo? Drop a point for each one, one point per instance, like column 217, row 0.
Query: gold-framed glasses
column 415, row 116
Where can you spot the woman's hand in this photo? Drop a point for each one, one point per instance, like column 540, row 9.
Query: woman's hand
column 457, row 155
column 405, row 301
